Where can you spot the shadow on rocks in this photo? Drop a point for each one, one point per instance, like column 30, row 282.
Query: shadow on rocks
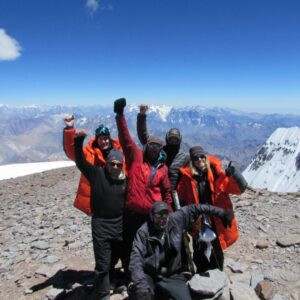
column 83, row 281
column 64, row 279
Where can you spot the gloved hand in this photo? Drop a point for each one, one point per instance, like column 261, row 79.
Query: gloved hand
column 69, row 121
column 80, row 133
column 234, row 173
column 119, row 105
column 226, row 218
column 230, row 170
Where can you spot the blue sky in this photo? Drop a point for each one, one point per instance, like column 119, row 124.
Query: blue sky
column 243, row 54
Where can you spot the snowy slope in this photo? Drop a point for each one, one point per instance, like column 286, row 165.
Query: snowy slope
column 17, row 170
column 276, row 166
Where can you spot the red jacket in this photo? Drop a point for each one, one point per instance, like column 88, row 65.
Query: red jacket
column 221, row 186
column 143, row 189
column 94, row 156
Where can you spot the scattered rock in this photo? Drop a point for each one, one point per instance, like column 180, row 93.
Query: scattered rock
column 50, row 259
column 236, row 266
column 288, row 240
column 262, row 244
column 41, row 245
column 264, row 289
column 210, row 285
column 40, row 209
column 53, row 293
column 255, row 279
column 241, row 291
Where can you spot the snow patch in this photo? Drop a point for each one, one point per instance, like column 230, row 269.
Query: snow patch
column 17, row 170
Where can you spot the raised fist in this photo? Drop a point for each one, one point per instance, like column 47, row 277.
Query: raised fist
column 230, row 170
column 69, row 121
column 80, row 133
column 143, row 109
column 119, row 105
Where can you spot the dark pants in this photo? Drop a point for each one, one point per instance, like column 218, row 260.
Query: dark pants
column 107, row 251
column 173, row 287
column 201, row 261
column 132, row 222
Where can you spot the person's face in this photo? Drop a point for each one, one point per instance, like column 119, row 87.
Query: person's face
column 114, row 168
column 200, row 162
column 103, row 142
column 160, row 219
column 153, row 150
column 173, row 140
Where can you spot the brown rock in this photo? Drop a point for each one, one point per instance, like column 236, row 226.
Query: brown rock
column 264, row 289
column 288, row 240
column 262, row 244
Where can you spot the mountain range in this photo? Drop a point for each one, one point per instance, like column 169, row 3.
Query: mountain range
column 34, row 133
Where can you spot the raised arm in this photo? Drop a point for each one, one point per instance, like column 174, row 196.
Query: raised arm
column 88, row 170
column 141, row 124
column 236, row 180
column 130, row 149
column 68, row 136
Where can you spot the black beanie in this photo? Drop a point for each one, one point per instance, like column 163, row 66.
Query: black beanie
column 115, row 155
column 173, row 132
column 155, row 140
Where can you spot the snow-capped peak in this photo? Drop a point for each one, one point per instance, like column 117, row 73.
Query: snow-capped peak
column 276, row 166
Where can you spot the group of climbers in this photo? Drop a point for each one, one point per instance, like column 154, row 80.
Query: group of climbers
column 128, row 193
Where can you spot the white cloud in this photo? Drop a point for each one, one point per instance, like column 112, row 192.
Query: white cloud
column 92, row 5
column 9, row 47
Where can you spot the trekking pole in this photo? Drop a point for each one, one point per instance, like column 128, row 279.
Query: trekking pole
column 184, row 236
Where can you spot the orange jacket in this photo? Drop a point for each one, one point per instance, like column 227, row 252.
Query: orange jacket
column 94, row 156
column 221, row 186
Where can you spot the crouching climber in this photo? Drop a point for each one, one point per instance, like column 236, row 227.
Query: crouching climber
column 156, row 259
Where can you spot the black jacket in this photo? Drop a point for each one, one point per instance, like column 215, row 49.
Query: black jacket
column 146, row 249
column 107, row 194
column 176, row 158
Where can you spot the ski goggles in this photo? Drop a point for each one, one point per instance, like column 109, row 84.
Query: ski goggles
column 102, row 130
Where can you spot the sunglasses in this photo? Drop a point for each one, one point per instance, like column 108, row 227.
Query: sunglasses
column 201, row 156
column 161, row 215
column 154, row 146
column 115, row 164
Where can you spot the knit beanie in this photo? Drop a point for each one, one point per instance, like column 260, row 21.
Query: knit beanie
column 173, row 133
column 159, row 206
column 155, row 140
column 115, row 155
column 196, row 152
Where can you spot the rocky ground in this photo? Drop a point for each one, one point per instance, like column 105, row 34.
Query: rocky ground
column 46, row 250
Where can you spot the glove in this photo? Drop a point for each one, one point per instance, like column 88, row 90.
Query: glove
column 230, row 170
column 119, row 105
column 69, row 121
column 226, row 218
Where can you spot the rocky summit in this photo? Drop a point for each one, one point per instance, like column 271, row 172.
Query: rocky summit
column 46, row 250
